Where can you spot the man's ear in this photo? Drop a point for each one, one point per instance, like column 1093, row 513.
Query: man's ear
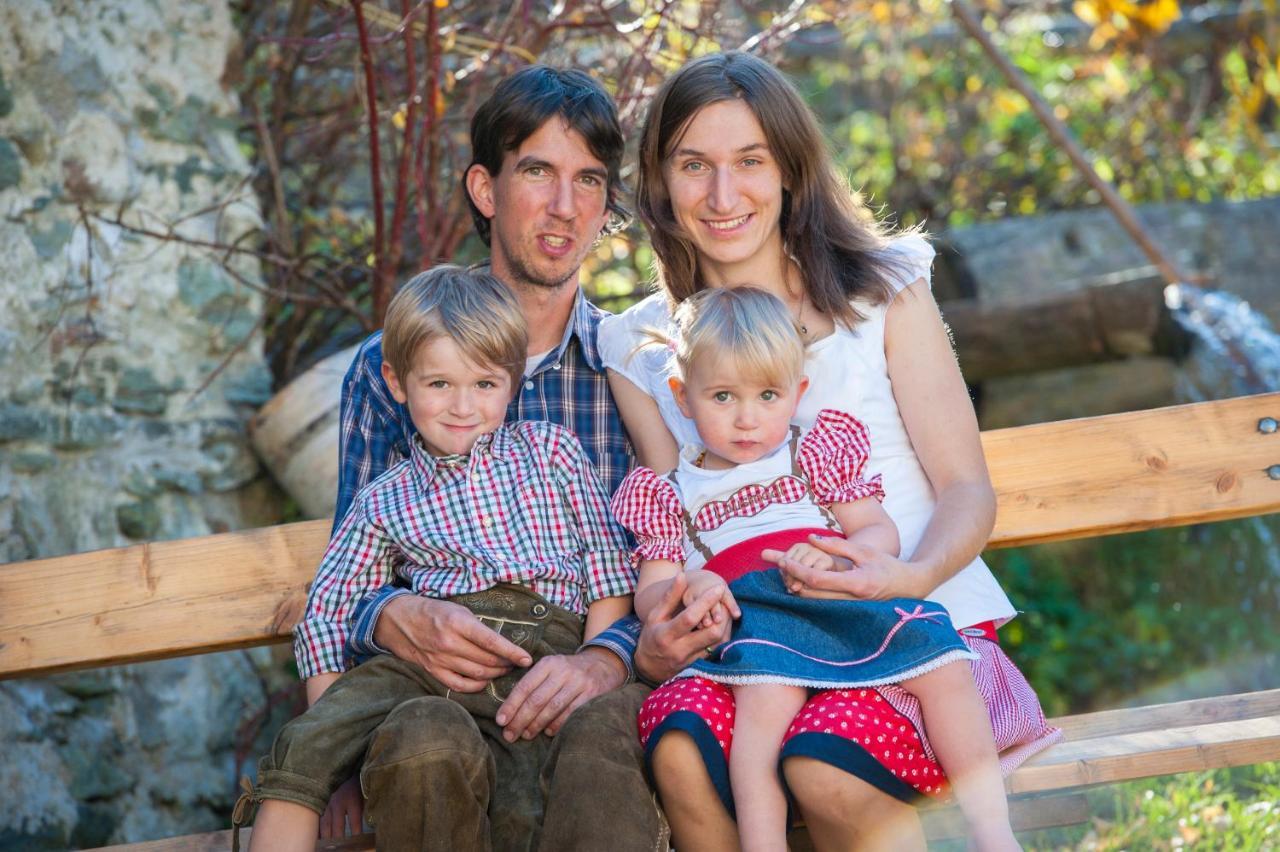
column 681, row 393
column 393, row 383
column 480, row 188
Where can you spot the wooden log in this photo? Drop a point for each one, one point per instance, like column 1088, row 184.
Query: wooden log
column 296, row 434
column 1087, row 326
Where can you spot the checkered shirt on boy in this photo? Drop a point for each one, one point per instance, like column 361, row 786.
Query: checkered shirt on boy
column 524, row 506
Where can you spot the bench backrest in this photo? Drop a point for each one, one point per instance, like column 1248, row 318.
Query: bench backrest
column 1070, row 479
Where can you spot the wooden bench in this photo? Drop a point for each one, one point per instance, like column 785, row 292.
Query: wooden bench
column 1072, row 479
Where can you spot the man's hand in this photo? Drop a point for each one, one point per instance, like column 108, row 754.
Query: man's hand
column 549, row 692
column 448, row 641
column 346, row 809
column 673, row 637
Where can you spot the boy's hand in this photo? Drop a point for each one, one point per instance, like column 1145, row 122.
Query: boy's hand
column 345, row 811
column 448, row 641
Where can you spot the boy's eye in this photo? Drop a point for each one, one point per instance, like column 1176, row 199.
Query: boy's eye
column 721, row 396
column 438, row 383
column 769, row 395
column 486, row 384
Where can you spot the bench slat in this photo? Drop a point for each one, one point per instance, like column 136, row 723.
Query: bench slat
column 1143, row 754
column 1142, row 470
column 220, row 841
column 1155, row 717
column 1073, row 478
column 151, row 601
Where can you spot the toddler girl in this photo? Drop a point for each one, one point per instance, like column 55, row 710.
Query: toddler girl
column 751, row 496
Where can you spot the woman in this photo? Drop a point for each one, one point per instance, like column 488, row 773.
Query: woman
column 736, row 187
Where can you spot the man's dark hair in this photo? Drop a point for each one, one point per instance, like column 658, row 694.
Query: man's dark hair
column 523, row 102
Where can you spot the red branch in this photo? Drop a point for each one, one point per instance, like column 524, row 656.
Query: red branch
column 381, row 294
column 399, row 207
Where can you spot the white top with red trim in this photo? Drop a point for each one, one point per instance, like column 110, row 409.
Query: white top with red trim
column 847, row 370
column 730, row 506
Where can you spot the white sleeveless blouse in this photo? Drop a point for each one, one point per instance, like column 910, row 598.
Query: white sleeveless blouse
column 847, row 370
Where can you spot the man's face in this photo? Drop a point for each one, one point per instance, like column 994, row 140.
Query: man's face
column 546, row 207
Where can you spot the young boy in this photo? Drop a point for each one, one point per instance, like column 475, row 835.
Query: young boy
column 509, row 521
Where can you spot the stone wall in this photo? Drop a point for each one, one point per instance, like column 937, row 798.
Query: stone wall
column 131, row 365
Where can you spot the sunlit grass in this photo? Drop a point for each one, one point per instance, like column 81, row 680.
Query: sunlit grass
column 1225, row 809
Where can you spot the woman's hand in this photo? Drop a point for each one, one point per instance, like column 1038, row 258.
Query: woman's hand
column 856, row 572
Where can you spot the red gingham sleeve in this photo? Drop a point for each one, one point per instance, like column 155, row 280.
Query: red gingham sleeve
column 647, row 504
column 833, row 455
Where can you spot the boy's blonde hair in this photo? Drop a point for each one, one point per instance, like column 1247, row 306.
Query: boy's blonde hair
column 747, row 325
column 471, row 308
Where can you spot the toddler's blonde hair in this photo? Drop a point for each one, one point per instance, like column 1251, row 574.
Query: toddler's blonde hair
column 746, row 325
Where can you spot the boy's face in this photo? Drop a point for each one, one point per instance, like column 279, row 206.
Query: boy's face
column 740, row 418
column 452, row 400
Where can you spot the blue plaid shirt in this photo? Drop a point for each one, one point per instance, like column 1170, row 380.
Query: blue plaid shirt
column 568, row 388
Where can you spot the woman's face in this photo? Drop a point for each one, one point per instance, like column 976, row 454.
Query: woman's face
column 726, row 193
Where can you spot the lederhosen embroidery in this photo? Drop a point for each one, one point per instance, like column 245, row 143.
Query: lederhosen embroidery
column 793, row 449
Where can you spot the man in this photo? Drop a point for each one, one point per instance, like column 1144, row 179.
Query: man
column 544, row 183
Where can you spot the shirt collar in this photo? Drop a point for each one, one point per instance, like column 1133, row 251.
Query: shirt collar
column 584, row 323
column 496, row 444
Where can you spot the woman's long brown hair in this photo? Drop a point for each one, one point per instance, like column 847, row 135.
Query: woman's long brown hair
column 826, row 228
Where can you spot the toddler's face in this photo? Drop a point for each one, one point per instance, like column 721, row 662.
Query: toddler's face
column 452, row 400
column 740, row 417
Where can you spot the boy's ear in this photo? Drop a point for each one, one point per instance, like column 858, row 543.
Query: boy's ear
column 802, row 387
column 681, row 393
column 393, row 383
column 480, row 187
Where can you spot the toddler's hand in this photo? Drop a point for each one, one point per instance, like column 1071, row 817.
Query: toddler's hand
column 724, row 610
column 800, row 557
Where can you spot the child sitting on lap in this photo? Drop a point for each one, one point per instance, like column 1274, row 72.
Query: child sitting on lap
column 751, row 496
column 509, row 521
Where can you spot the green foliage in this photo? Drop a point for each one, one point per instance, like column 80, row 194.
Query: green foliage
column 1226, row 809
column 1106, row 618
column 926, row 125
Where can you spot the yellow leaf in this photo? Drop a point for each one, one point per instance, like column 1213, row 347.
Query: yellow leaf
column 973, row 83
column 440, row 4
column 881, row 12
column 371, row 259
column 398, row 118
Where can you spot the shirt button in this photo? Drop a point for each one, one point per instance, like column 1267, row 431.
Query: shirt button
column 539, row 610
column 555, row 366
column 528, row 385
